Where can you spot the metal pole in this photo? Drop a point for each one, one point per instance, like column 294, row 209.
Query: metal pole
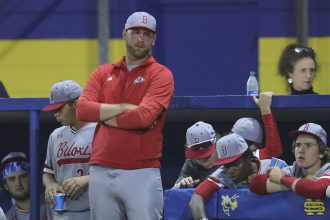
column 34, row 165
column 302, row 22
column 103, row 30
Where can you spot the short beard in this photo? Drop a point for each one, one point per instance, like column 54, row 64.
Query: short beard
column 137, row 56
column 23, row 197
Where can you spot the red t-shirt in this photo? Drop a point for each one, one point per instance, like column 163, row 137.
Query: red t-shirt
column 137, row 141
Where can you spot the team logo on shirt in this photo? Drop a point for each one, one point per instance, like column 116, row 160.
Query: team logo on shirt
column 139, row 79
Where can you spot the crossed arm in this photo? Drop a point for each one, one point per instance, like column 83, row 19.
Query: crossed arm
column 276, row 181
column 94, row 103
column 108, row 112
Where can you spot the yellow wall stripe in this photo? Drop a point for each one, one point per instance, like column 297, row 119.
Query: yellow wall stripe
column 28, row 68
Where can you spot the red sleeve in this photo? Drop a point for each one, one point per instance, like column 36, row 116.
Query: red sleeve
column 207, row 188
column 273, row 145
column 155, row 101
column 89, row 104
column 313, row 189
column 258, row 184
column 288, row 181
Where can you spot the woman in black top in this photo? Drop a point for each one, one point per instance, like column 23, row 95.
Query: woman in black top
column 298, row 64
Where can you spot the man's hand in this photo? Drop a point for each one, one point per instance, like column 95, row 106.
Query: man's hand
column 264, row 102
column 73, row 187
column 52, row 189
column 186, row 182
column 276, row 174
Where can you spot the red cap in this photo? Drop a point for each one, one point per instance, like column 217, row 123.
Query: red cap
column 199, row 151
column 55, row 106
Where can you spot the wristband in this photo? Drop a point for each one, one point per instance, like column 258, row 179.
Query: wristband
column 288, row 181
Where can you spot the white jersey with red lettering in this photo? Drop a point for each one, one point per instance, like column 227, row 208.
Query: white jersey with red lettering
column 68, row 153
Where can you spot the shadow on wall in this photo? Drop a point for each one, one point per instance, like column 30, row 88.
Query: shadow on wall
column 3, row 91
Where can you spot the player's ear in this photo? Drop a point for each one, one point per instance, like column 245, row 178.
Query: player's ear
column 124, row 34
column 74, row 103
column 153, row 43
column 5, row 185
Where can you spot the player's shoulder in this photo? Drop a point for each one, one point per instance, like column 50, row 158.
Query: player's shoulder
column 106, row 66
column 104, row 69
column 325, row 169
column 60, row 130
column 161, row 68
column 92, row 124
column 10, row 214
column 89, row 126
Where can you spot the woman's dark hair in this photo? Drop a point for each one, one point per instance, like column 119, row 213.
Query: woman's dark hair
column 291, row 54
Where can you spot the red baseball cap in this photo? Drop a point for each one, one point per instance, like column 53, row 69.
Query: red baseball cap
column 200, row 151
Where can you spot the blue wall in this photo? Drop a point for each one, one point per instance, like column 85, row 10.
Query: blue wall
column 210, row 45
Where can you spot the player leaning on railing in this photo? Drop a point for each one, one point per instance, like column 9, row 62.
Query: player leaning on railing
column 309, row 176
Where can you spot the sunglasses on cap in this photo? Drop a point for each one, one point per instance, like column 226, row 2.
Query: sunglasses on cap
column 201, row 146
column 303, row 49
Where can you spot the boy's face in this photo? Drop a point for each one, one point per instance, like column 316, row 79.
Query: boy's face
column 239, row 169
column 207, row 162
column 66, row 115
column 307, row 152
column 18, row 185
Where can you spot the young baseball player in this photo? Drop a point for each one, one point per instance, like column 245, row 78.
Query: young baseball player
column 309, row 176
column 200, row 153
column 15, row 173
column 250, row 129
column 68, row 152
column 127, row 147
column 237, row 165
column 198, row 164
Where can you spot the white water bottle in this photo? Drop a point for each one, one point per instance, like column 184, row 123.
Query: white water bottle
column 252, row 87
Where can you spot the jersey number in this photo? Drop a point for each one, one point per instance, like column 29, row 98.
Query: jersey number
column 80, row 172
